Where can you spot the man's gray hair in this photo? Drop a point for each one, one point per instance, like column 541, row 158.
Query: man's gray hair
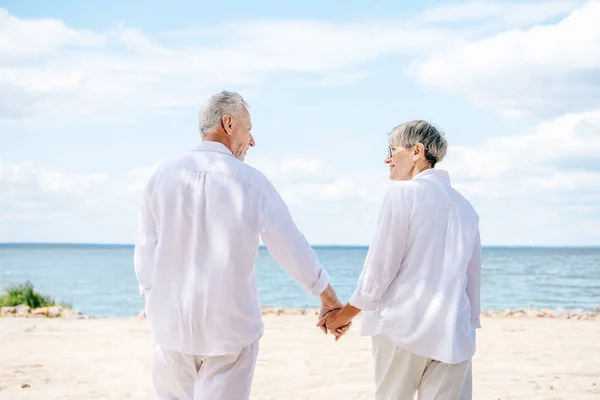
column 410, row 133
column 218, row 105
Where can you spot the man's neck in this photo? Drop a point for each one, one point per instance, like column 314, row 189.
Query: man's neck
column 219, row 137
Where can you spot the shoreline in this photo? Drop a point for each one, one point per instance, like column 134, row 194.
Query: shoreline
column 59, row 312
column 516, row 312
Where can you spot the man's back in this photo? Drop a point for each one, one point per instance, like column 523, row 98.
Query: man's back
column 202, row 218
column 204, row 209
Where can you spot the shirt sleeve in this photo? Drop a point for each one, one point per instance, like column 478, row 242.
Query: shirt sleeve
column 145, row 247
column 474, row 282
column 385, row 254
column 288, row 246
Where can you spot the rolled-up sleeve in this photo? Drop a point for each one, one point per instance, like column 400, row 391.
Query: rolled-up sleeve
column 385, row 254
column 145, row 247
column 474, row 282
column 287, row 244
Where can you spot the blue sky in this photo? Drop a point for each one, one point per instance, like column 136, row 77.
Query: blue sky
column 93, row 97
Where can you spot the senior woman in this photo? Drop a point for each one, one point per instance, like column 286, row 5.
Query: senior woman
column 419, row 288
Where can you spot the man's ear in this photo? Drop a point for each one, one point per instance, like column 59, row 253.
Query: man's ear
column 227, row 122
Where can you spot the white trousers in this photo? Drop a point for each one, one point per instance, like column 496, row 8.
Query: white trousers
column 399, row 374
column 180, row 376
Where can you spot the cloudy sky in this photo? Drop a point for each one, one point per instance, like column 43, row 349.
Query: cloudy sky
column 93, row 97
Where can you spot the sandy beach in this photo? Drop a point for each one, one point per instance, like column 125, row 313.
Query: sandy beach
column 518, row 358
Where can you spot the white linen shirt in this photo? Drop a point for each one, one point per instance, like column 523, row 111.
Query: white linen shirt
column 201, row 220
column 421, row 279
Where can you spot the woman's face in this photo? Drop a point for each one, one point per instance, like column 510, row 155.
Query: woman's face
column 401, row 162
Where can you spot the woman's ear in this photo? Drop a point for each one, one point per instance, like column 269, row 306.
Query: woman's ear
column 419, row 150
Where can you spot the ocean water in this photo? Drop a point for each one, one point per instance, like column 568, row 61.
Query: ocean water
column 100, row 280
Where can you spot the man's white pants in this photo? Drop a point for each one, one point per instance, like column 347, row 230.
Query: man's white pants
column 400, row 373
column 179, row 376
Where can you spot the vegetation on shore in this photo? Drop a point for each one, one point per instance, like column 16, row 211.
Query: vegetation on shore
column 25, row 294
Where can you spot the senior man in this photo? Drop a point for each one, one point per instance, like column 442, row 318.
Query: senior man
column 419, row 288
column 201, row 219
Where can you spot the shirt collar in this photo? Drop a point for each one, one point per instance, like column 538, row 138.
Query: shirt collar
column 213, row 146
column 434, row 174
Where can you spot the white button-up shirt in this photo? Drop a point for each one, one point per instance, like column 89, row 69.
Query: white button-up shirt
column 201, row 220
column 421, row 279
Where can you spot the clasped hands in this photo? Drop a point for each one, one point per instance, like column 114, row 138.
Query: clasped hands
column 334, row 317
column 335, row 322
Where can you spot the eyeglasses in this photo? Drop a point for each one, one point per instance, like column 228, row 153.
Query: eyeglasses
column 390, row 153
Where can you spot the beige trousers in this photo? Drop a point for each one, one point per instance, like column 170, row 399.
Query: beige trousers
column 180, row 376
column 399, row 374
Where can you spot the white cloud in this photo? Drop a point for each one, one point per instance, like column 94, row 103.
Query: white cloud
column 45, row 181
column 53, row 73
column 339, row 79
column 310, row 182
column 31, row 38
column 320, row 47
column 30, row 191
column 139, row 176
column 576, row 182
column 547, row 69
column 560, row 145
column 102, row 75
column 49, row 203
column 508, row 13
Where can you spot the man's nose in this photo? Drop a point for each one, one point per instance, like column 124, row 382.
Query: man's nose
column 252, row 143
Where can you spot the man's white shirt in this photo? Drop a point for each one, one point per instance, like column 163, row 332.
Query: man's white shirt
column 420, row 284
column 200, row 225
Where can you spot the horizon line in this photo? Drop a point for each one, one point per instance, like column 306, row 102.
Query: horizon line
column 311, row 244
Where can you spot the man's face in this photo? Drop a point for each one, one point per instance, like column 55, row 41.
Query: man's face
column 241, row 138
column 401, row 161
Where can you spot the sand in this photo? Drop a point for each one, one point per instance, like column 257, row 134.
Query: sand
column 517, row 358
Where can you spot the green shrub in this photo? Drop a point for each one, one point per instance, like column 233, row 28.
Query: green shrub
column 24, row 294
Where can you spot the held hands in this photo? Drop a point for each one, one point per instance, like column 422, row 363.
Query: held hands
column 337, row 322
column 330, row 306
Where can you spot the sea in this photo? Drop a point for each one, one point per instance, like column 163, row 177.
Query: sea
column 99, row 280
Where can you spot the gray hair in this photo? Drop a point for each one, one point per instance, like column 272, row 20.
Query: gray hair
column 218, row 105
column 410, row 133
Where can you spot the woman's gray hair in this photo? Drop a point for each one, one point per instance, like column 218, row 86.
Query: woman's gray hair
column 410, row 133
column 218, row 105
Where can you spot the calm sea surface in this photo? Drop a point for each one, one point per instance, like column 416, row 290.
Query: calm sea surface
column 100, row 281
